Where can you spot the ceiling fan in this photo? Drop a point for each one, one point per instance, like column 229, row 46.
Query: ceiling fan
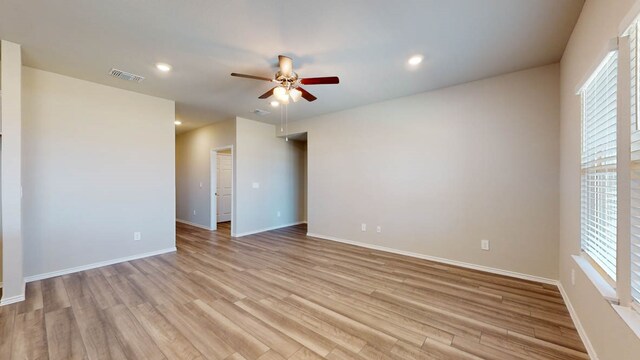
column 289, row 83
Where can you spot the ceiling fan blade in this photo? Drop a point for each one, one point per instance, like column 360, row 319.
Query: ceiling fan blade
column 306, row 95
column 286, row 65
column 267, row 94
column 320, row 80
column 251, row 77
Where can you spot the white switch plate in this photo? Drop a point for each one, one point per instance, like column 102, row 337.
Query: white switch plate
column 200, row 184
column 364, row 227
column 137, row 236
column 278, row 213
column 194, row 211
column 484, row 244
column 255, row 185
column 378, row 229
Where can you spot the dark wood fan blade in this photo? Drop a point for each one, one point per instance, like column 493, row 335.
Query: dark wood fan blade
column 286, row 65
column 320, row 80
column 251, row 77
column 306, row 95
column 267, row 94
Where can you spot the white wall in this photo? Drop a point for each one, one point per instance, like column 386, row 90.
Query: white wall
column 98, row 166
column 278, row 166
column 12, row 243
column 598, row 23
column 193, row 151
column 440, row 171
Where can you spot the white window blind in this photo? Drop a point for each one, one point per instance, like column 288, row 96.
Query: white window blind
column 635, row 167
column 599, row 203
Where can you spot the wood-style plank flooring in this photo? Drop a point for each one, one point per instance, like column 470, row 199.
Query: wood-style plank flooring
column 282, row 295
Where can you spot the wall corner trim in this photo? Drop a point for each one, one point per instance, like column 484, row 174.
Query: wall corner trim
column 194, row 224
column 574, row 316
column 96, row 265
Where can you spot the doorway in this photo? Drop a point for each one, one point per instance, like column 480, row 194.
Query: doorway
column 299, row 142
column 222, row 188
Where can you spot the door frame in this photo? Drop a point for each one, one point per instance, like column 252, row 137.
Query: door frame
column 213, row 182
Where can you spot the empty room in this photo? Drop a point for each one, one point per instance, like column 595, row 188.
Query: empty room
column 297, row 179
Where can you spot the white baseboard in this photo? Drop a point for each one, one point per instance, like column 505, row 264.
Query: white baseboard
column 581, row 331
column 97, row 265
column 194, row 224
column 440, row 260
column 12, row 300
column 267, row 229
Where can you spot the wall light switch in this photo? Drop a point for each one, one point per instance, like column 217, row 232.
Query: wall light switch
column 364, row 227
column 484, row 244
column 194, row 211
column 200, row 184
column 378, row 229
column 137, row 236
column 278, row 213
column 255, row 185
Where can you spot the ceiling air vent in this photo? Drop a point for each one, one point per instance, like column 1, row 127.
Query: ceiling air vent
column 260, row 112
column 123, row 75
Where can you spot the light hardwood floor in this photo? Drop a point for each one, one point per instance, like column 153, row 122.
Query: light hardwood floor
column 282, row 295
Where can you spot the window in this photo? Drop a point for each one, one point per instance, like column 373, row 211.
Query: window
column 635, row 166
column 599, row 190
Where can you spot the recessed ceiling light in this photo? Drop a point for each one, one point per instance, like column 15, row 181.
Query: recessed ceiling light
column 178, row 122
column 415, row 60
column 275, row 104
column 163, row 67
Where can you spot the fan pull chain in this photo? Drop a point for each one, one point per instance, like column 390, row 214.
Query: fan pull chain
column 281, row 119
column 286, row 122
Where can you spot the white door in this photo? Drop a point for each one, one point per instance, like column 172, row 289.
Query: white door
column 223, row 188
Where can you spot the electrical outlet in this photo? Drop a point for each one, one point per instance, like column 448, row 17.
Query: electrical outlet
column 137, row 236
column 573, row 276
column 278, row 213
column 484, row 244
column 363, row 227
column 378, row 228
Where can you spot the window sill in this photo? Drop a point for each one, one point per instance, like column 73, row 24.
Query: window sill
column 630, row 316
column 606, row 290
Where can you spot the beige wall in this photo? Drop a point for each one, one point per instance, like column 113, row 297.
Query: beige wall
column 278, row 167
column 598, row 23
column 12, row 243
column 193, row 162
column 440, row 171
column 98, row 166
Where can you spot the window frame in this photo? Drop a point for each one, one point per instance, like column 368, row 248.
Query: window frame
column 602, row 66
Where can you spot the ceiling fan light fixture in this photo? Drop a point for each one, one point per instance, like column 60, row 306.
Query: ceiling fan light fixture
column 295, row 94
column 281, row 94
column 275, row 104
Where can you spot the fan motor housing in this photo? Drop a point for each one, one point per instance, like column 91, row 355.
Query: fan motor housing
column 286, row 79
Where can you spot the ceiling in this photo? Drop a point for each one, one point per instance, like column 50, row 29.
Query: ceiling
column 365, row 42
